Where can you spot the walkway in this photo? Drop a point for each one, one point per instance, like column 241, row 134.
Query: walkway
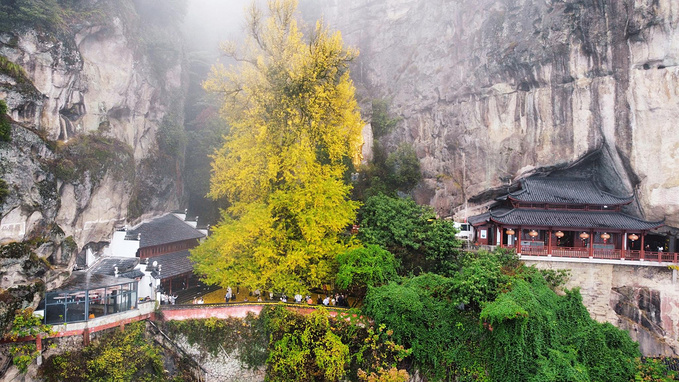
column 239, row 310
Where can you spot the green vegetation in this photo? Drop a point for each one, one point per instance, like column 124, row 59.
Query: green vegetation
column 390, row 172
column 304, row 348
column 365, row 267
column 420, row 241
column 654, row 370
column 246, row 336
column 25, row 324
column 118, row 356
column 4, row 191
column 171, row 138
column 382, row 123
column 293, row 123
column 296, row 347
column 5, row 127
column 498, row 320
column 43, row 14
column 92, row 156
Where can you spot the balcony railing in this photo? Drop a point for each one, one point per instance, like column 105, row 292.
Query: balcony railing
column 601, row 253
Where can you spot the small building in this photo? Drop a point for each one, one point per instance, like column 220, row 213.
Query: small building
column 87, row 295
column 164, row 244
column 568, row 217
column 139, row 263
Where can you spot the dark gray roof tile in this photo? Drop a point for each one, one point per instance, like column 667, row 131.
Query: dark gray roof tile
column 173, row 264
column 106, row 265
column 163, row 230
column 565, row 191
column 572, row 219
column 80, row 281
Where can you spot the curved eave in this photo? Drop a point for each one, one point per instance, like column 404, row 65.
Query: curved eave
column 573, row 220
column 623, row 202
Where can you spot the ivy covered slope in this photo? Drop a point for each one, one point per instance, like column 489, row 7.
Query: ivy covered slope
column 92, row 102
column 498, row 320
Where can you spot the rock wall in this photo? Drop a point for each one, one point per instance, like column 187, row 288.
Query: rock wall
column 101, row 77
column 509, row 86
column 644, row 300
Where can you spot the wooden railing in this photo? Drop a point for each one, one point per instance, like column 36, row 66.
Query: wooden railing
column 577, row 252
column 603, row 253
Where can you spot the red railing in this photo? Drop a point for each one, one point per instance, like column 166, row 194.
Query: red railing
column 577, row 252
column 600, row 253
column 609, row 254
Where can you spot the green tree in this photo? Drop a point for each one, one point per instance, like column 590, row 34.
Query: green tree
column 411, row 232
column 364, row 267
column 293, row 122
column 404, row 168
column 304, row 348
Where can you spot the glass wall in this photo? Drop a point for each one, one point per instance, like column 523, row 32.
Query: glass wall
column 73, row 306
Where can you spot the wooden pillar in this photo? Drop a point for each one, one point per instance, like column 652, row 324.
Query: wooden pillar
column 549, row 242
column 38, row 348
column 591, row 243
column 641, row 252
column 170, row 287
column 518, row 240
column 86, row 336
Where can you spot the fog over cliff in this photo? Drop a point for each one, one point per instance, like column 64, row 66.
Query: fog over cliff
column 518, row 86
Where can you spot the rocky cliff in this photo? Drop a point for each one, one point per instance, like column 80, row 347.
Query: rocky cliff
column 498, row 89
column 95, row 90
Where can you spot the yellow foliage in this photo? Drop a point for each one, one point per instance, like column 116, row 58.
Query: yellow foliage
column 293, row 122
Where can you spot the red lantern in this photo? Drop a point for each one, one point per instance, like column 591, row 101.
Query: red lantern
column 559, row 234
column 510, row 232
column 584, row 236
column 605, row 236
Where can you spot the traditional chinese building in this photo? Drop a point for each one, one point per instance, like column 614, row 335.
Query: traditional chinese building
column 164, row 244
column 568, row 217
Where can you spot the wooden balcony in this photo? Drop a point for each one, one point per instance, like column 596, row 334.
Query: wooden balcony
column 604, row 254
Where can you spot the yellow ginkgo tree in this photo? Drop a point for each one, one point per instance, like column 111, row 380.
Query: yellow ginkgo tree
column 294, row 126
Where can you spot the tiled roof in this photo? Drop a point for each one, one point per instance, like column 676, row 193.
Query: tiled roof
column 133, row 274
column 572, row 219
column 81, row 280
column 106, row 265
column 163, row 230
column 173, row 264
column 481, row 218
column 565, row 191
column 485, row 217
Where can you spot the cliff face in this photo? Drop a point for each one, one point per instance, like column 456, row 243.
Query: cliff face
column 515, row 85
column 93, row 101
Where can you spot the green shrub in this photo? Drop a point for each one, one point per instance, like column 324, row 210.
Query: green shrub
column 4, row 191
column 364, row 267
column 93, row 155
column 117, row 356
column 498, row 320
column 5, row 126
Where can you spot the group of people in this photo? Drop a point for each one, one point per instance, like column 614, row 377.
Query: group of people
column 336, row 300
column 329, row 300
column 167, row 299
